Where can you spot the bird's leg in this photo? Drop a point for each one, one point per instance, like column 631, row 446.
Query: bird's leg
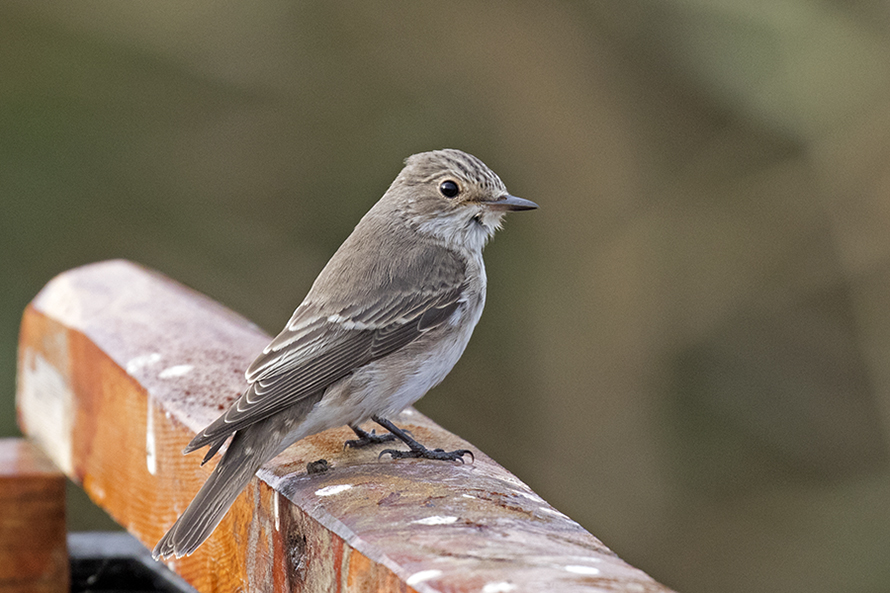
column 416, row 449
column 366, row 438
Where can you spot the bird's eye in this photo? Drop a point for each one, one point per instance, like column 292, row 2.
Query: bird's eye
column 449, row 189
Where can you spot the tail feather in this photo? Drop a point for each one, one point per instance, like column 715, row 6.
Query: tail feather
column 250, row 448
column 238, row 465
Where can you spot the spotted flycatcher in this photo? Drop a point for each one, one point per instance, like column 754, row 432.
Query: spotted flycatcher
column 384, row 322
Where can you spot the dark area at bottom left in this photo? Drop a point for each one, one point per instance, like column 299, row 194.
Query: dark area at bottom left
column 115, row 562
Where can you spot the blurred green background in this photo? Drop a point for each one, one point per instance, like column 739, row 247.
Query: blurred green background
column 685, row 349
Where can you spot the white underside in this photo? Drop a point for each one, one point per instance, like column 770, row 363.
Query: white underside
column 387, row 386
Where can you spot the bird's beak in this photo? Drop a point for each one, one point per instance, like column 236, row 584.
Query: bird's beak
column 508, row 202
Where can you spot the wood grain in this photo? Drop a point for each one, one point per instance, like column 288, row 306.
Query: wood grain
column 33, row 550
column 119, row 367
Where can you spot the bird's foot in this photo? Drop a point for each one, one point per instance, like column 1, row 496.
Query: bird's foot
column 366, row 438
column 424, row 453
column 417, row 451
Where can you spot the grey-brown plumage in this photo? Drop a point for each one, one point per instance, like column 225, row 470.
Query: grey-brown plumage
column 385, row 321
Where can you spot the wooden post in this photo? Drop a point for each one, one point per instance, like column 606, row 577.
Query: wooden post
column 119, row 367
column 33, row 551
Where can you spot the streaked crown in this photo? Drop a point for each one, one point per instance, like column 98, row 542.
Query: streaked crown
column 427, row 167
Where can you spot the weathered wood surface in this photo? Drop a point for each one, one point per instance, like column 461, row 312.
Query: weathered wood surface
column 119, row 367
column 33, row 549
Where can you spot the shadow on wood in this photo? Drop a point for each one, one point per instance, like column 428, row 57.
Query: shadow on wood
column 119, row 367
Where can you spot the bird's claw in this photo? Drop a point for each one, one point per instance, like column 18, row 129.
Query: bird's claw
column 369, row 438
column 435, row 454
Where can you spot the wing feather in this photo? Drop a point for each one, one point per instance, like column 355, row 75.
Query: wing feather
column 323, row 344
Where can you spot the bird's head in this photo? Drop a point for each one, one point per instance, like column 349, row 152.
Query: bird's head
column 453, row 196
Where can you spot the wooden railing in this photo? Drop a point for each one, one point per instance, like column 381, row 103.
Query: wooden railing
column 33, row 551
column 119, row 367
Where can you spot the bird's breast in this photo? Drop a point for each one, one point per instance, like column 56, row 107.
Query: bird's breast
column 388, row 385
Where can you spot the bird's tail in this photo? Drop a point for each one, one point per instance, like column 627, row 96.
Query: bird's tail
column 238, row 465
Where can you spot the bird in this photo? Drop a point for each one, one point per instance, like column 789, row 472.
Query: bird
column 385, row 321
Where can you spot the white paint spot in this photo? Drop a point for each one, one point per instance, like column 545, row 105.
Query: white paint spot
column 275, row 511
column 331, row 490
column 528, row 495
column 46, row 406
column 579, row 569
column 175, row 371
column 552, row 511
column 468, row 496
column 501, row 587
column 97, row 491
column 136, row 364
column 423, row 575
column 151, row 458
column 436, row 520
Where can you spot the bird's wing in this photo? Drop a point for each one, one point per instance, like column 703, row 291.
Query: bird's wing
column 322, row 344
